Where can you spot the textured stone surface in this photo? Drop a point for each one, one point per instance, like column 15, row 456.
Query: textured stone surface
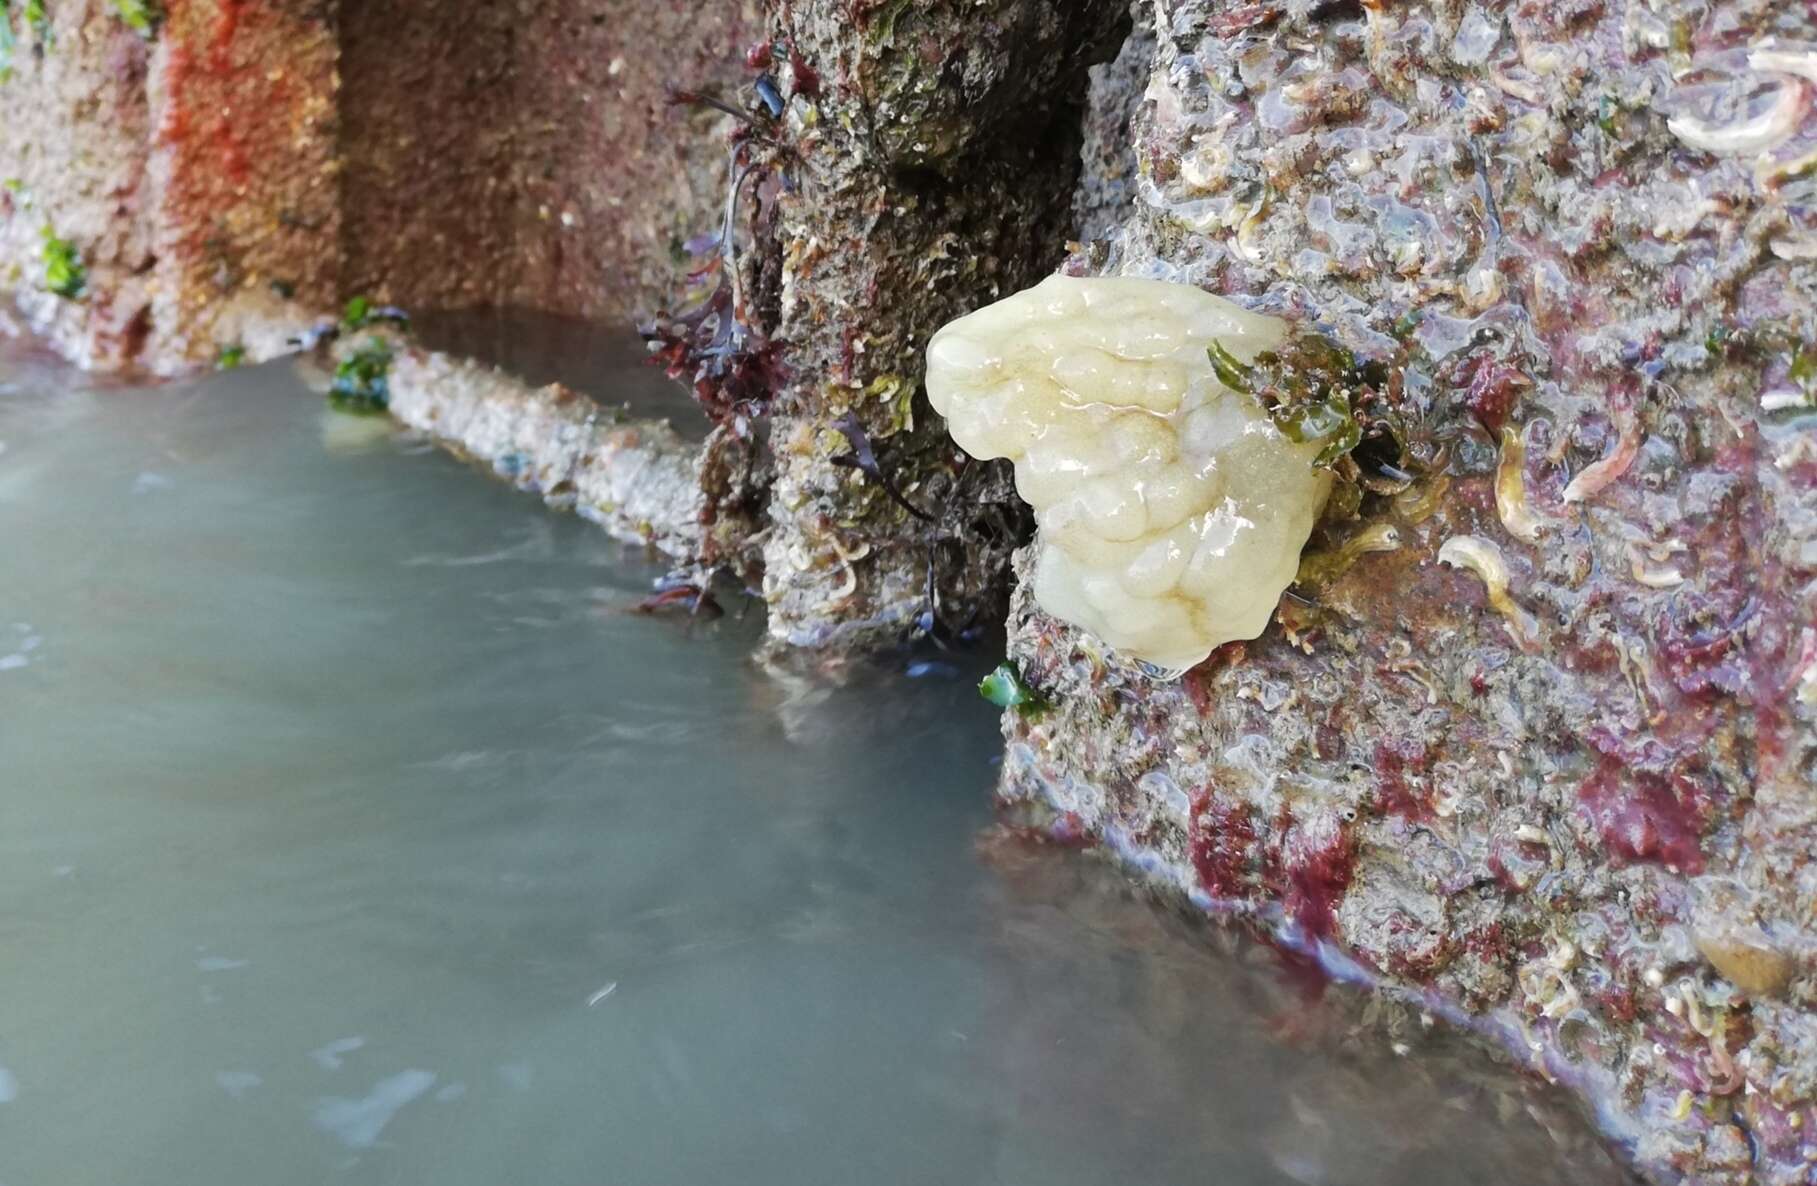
column 1582, row 819
column 635, row 478
column 247, row 166
column 617, row 176
column 1387, row 1098
column 243, row 171
column 527, row 154
column 189, row 172
column 74, row 122
column 429, row 186
column 1107, row 181
column 931, row 149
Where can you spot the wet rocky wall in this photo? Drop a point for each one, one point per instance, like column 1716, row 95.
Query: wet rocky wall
column 74, row 195
column 618, row 172
column 1556, row 784
column 530, row 154
column 922, row 157
column 223, row 173
column 242, row 159
column 168, row 176
column 428, row 122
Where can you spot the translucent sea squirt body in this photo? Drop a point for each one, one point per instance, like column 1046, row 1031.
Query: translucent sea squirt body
column 1171, row 509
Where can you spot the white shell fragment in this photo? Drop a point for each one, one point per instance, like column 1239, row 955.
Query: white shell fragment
column 1172, row 510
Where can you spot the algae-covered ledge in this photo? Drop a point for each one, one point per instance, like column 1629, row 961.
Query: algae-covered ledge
column 1528, row 738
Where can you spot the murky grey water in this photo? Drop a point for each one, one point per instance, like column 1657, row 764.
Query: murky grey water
column 351, row 830
column 542, row 348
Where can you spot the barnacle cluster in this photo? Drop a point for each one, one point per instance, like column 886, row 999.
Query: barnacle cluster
column 1172, row 505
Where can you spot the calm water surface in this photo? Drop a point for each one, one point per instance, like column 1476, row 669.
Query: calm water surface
column 352, row 830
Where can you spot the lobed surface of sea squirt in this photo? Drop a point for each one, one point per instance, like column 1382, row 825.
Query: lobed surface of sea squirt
column 1172, row 510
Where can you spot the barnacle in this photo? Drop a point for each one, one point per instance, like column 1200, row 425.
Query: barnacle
column 1172, row 507
column 1591, row 480
column 1771, row 127
column 1321, row 568
column 1759, row 133
column 1747, row 958
column 1652, row 578
column 1484, row 558
column 1511, row 488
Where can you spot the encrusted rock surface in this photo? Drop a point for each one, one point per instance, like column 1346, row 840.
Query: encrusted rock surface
column 147, row 158
column 74, row 120
column 617, row 173
column 1531, row 743
column 1579, row 815
column 528, row 153
column 636, row 478
column 233, row 170
column 244, row 177
column 930, row 151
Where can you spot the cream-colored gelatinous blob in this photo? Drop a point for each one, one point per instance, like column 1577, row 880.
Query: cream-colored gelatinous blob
column 1172, row 510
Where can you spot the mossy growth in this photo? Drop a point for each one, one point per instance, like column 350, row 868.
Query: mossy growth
column 1314, row 389
column 882, row 22
column 1006, row 688
column 141, row 16
column 1803, row 372
column 362, row 382
column 63, row 270
column 35, row 19
column 232, row 357
column 8, row 41
column 361, row 312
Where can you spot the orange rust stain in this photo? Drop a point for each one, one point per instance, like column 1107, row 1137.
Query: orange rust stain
column 227, row 23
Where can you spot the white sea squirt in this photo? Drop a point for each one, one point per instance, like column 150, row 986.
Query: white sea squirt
column 1171, row 509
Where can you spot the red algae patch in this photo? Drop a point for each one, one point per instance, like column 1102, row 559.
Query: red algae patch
column 1643, row 817
column 1310, row 868
column 1222, row 839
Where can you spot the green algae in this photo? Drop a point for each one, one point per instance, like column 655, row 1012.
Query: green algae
column 63, row 270
column 362, row 382
column 141, row 16
column 1006, row 688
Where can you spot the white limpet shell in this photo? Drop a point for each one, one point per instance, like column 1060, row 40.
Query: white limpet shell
column 1172, row 510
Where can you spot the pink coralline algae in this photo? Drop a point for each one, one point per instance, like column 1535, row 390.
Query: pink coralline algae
column 1644, row 817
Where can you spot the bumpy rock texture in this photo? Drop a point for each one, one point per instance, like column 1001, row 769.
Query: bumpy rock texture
column 528, row 154
column 930, row 151
column 1532, row 739
column 234, row 169
column 73, row 126
column 1580, row 814
column 635, row 478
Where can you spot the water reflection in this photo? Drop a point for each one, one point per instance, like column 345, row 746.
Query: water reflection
column 543, row 348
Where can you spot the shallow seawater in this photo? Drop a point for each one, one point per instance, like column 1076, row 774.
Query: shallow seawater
column 353, row 830
column 541, row 348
